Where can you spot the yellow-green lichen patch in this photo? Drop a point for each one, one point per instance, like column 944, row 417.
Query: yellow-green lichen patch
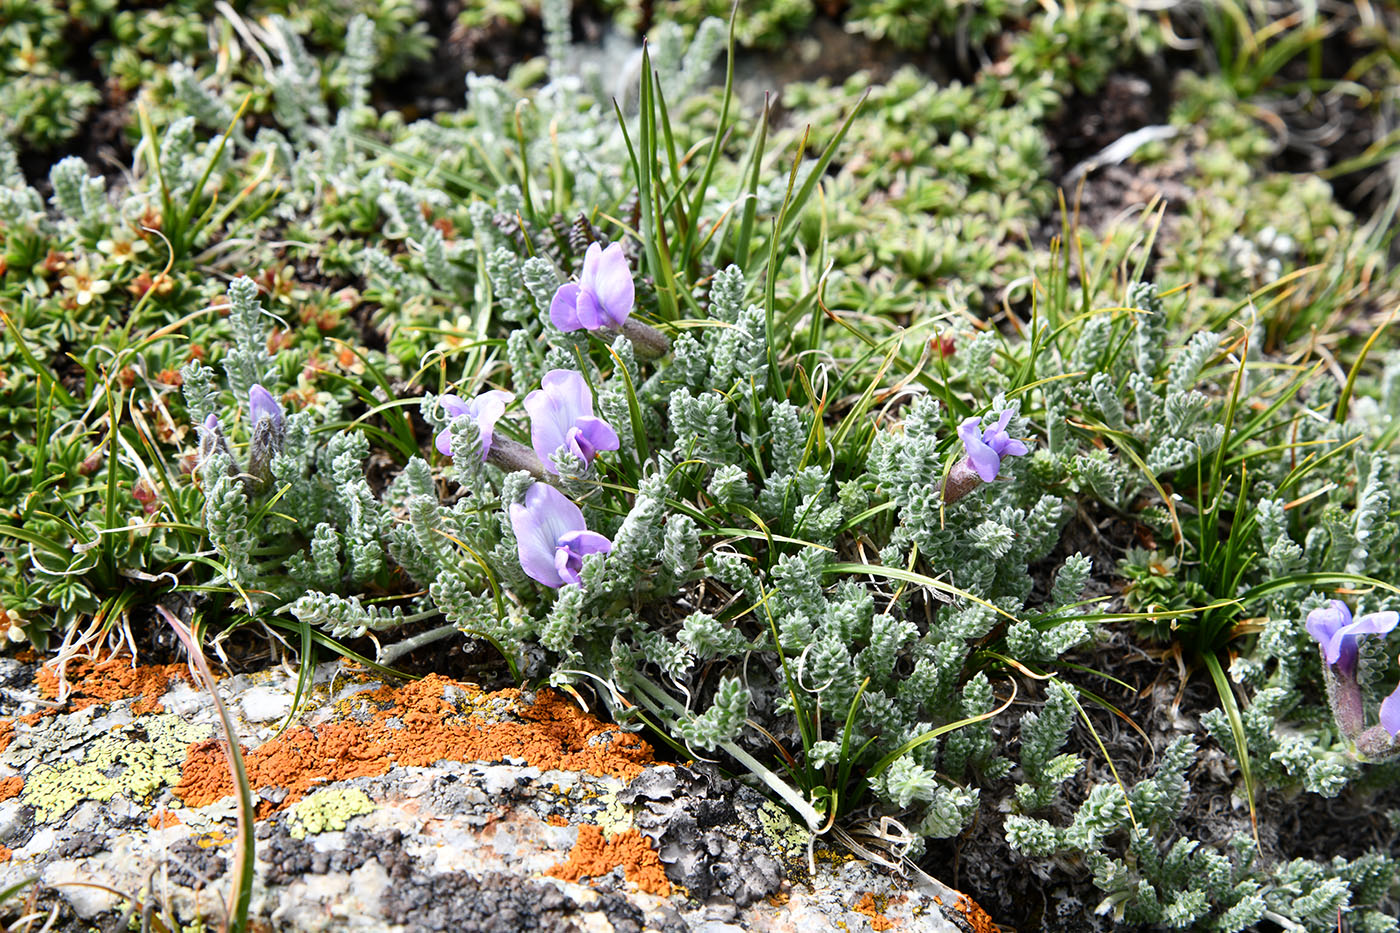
column 614, row 817
column 787, row 836
column 115, row 763
column 328, row 809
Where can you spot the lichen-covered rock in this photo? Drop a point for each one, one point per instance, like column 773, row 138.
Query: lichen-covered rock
column 432, row 806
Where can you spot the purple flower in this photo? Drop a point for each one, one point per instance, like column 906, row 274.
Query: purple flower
column 1390, row 713
column 561, row 415
column 211, row 437
column 602, row 296
column 1334, row 630
column 262, row 405
column 485, row 410
column 986, row 449
column 551, row 536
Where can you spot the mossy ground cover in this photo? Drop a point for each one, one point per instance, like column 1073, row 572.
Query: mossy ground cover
column 963, row 435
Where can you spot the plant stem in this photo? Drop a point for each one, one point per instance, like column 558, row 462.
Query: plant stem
column 397, row 650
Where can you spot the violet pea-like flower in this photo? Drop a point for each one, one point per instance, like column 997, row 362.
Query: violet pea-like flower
column 551, row 537
column 1335, row 631
column 211, row 438
column 1390, row 713
column 986, row 449
column 602, row 296
column 561, row 415
column 262, row 405
column 484, row 410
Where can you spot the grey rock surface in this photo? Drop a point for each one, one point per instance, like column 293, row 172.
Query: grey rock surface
column 100, row 823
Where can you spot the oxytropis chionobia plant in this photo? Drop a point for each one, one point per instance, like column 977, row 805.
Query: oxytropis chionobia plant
column 651, row 512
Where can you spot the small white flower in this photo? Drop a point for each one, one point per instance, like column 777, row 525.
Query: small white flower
column 81, row 281
column 122, row 248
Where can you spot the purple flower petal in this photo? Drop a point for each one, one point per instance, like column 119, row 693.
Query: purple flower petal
column 1333, row 629
column 262, row 405
column 487, row 409
column 590, row 435
column 561, row 414
column 590, row 312
column 982, row 458
column 1373, row 623
column 454, row 405
column 1013, row 448
column 551, row 537
column 563, row 310
column 573, row 548
column 986, row 449
column 603, row 295
column 210, row 437
column 484, row 410
column 585, row 542
column 588, row 275
column 1390, row 713
column 612, row 283
column 1344, row 640
column 1323, row 623
column 545, row 517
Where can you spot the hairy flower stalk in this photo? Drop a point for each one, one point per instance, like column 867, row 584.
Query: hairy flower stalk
column 649, row 342
column 551, row 536
column 602, row 299
column 561, row 416
column 985, row 452
column 512, row 456
column 1337, row 634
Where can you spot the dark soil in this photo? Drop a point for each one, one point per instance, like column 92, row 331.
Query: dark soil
column 1083, row 127
column 1321, row 131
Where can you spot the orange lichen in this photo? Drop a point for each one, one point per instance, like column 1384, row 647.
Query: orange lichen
column 555, row 819
column 162, row 819
column 95, row 682
column 977, row 918
column 594, row 855
column 416, row 726
column 866, row 905
column 5, row 853
column 7, row 726
column 92, row 683
column 11, row 787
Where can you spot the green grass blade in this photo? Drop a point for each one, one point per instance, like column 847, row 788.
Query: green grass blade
column 1232, row 712
column 688, row 244
column 926, row 737
column 799, row 201
column 245, row 862
column 749, row 193
column 306, row 673
column 1345, row 400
